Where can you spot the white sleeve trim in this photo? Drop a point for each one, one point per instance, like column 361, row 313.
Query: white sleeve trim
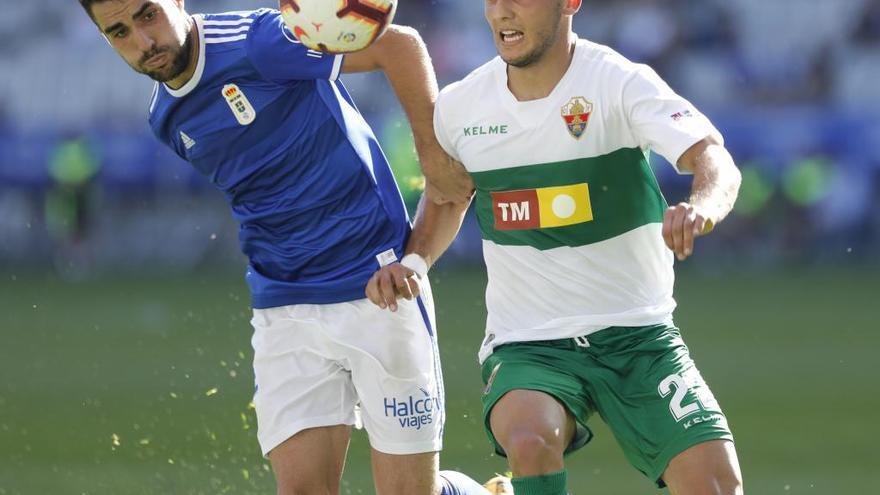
column 154, row 98
column 337, row 67
column 661, row 119
column 440, row 131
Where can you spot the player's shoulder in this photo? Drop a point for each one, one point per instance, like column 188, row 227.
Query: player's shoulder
column 233, row 20
column 609, row 68
column 597, row 57
column 480, row 81
column 227, row 28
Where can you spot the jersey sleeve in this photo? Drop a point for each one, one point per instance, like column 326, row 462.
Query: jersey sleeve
column 660, row 119
column 440, row 130
column 279, row 57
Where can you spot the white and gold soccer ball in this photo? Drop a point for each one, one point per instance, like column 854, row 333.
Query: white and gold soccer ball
column 499, row 485
column 337, row 26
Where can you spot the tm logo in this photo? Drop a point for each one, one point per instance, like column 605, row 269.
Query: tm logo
column 515, row 212
column 412, row 412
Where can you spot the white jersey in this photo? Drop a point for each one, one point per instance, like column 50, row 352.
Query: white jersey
column 569, row 208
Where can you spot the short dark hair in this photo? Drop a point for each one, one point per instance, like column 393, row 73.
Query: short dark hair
column 87, row 5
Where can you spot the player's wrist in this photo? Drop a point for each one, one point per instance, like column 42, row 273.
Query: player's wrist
column 709, row 214
column 709, row 217
column 416, row 263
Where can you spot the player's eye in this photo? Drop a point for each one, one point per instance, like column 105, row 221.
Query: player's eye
column 150, row 15
column 120, row 34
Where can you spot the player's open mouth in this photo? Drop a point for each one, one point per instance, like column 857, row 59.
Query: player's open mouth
column 510, row 36
column 156, row 61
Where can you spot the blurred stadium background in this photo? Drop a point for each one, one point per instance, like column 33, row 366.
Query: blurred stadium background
column 124, row 334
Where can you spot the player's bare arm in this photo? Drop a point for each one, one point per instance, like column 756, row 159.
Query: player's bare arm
column 402, row 55
column 713, row 193
column 435, row 228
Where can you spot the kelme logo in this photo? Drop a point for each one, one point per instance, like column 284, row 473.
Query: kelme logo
column 485, row 130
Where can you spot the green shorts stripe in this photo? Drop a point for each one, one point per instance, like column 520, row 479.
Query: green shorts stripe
column 640, row 380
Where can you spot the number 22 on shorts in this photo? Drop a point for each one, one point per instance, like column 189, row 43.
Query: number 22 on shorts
column 678, row 409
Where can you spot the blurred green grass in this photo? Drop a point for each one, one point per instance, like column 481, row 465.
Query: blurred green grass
column 162, row 363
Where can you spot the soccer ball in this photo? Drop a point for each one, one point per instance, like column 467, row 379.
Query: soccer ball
column 499, row 485
column 337, row 26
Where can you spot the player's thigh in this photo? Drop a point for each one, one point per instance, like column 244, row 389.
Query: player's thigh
column 412, row 474
column 301, row 380
column 531, row 397
column 707, row 468
column 395, row 369
column 649, row 391
column 311, row 461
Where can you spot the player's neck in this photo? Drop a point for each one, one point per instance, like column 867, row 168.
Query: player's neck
column 185, row 76
column 538, row 80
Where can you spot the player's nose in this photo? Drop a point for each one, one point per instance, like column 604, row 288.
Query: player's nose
column 144, row 41
column 499, row 10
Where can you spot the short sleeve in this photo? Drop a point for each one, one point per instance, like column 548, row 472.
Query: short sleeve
column 659, row 118
column 440, row 130
column 279, row 57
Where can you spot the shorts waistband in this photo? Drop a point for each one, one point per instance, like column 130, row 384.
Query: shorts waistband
column 599, row 338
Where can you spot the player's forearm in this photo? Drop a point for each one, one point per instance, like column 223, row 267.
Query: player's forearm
column 402, row 55
column 716, row 181
column 435, row 228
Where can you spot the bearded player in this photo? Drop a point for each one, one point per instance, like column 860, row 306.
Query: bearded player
column 268, row 123
column 579, row 244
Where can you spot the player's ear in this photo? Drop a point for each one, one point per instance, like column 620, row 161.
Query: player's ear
column 572, row 6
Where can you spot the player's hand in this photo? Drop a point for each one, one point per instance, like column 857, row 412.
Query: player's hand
column 447, row 180
column 682, row 223
column 390, row 283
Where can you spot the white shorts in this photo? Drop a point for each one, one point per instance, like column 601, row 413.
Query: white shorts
column 315, row 364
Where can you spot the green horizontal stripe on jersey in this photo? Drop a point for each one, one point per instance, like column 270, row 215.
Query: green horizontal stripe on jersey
column 624, row 195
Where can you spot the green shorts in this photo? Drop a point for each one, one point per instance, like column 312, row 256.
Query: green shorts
column 641, row 381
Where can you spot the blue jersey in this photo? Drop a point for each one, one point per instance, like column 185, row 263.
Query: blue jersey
column 266, row 121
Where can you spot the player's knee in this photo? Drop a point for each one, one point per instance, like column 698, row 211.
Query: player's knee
column 726, row 479
column 724, row 482
column 534, row 448
column 729, row 482
column 290, row 490
column 302, row 486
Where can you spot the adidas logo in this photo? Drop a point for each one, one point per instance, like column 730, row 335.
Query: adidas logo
column 188, row 142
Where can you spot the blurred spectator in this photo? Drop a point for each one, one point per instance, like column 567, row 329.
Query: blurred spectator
column 70, row 204
column 867, row 31
column 647, row 31
column 786, row 81
column 706, row 25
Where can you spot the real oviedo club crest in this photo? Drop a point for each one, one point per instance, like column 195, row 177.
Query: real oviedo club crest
column 241, row 107
column 576, row 114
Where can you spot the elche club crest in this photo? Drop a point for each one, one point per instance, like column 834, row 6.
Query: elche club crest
column 576, row 114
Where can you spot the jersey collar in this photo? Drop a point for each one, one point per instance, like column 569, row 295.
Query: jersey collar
column 533, row 113
column 510, row 99
column 200, row 65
